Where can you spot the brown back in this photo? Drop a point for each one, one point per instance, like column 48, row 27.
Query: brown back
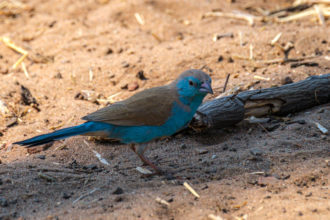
column 149, row 107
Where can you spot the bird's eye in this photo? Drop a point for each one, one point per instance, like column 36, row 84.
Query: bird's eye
column 191, row 83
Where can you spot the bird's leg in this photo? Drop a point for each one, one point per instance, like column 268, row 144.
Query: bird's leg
column 140, row 152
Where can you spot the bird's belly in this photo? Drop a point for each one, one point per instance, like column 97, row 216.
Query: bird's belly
column 142, row 134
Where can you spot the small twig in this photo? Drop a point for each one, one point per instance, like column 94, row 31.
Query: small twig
column 240, row 205
column 110, row 99
column 226, row 82
column 85, row 195
column 267, row 132
column 162, row 201
column 319, row 14
column 20, row 50
column 191, row 189
column 261, row 78
column 156, row 37
column 217, row 37
column 143, row 170
column 319, row 11
column 56, row 126
column 251, row 52
column 46, row 177
column 25, row 70
column 236, row 14
column 276, row 38
column 321, row 128
column 214, row 217
column 91, row 74
column 139, row 19
column 283, row 60
column 3, row 108
column 240, row 35
column 60, row 147
column 257, row 173
column 101, row 159
column 98, row 155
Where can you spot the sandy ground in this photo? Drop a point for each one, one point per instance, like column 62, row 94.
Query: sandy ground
column 241, row 172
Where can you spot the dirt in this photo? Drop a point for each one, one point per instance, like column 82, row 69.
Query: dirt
column 242, row 172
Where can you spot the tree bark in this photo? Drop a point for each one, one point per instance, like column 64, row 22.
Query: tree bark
column 282, row 100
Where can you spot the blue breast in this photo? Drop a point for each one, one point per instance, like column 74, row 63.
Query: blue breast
column 140, row 134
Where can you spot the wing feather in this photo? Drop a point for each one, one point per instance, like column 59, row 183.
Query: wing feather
column 149, row 107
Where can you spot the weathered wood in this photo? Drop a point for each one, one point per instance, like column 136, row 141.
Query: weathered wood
column 290, row 98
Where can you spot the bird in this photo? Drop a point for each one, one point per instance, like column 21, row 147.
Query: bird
column 148, row 115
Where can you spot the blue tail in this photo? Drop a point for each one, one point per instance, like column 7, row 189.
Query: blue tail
column 85, row 128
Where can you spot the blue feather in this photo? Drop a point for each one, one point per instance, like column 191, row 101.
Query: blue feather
column 63, row 133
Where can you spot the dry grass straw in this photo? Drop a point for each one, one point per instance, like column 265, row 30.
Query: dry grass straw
column 185, row 184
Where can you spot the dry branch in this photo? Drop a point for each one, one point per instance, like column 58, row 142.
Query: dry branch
column 290, row 98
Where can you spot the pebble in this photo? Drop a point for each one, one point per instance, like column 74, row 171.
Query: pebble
column 109, row 51
column 183, row 146
column 132, row 86
column 286, row 80
column 3, row 202
column 90, row 167
column 119, row 199
column 256, row 152
column 230, row 60
column 254, row 120
column 302, row 122
column 201, row 151
column 309, row 194
column 282, row 176
column 232, row 149
column 140, row 75
column 26, row 97
column 65, row 195
column 118, row 191
column 124, row 86
column 272, row 127
column 42, row 157
column 87, row 95
column 58, row 76
column 124, row 64
column 213, row 156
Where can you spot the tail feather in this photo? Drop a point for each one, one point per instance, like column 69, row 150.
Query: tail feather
column 56, row 135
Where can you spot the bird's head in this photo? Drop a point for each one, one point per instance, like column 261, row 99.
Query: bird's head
column 193, row 83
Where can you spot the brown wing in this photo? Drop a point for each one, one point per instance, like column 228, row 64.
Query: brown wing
column 149, row 107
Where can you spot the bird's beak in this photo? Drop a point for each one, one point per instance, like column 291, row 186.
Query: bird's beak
column 206, row 87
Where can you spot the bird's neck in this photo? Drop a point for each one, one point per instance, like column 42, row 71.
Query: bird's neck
column 192, row 102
